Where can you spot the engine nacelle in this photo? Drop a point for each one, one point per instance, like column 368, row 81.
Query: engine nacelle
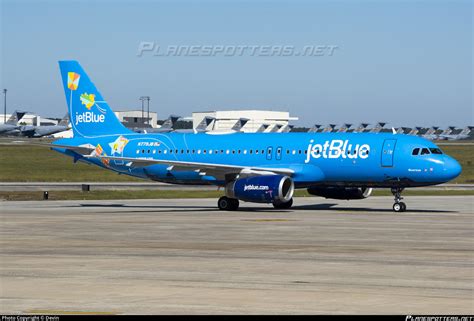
column 341, row 193
column 262, row 189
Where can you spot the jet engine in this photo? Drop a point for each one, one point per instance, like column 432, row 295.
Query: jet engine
column 262, row 189
column 341, row 193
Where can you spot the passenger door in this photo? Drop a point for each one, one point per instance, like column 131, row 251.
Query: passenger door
column 387, row 152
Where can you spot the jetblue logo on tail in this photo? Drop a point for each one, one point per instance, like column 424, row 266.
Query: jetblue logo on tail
column 88, row 100
column 336, row 149
column 89, row 117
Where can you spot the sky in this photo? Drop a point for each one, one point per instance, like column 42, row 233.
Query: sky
column 408, row 63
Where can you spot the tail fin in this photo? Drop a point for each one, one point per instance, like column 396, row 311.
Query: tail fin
column 15, row 117
column 64, row 121
column 169, row 123
column 466, row 131
column 90, row 114
column 205, row 123
column 239, row 124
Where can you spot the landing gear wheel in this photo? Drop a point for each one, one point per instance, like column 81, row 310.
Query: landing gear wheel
column 398, row 206
column 404, row 206
column 228, row 204
column 283, row 206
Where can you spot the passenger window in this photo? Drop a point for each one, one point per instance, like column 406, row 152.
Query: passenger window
column 436, row 151
column 425, row 151
column 415, row 151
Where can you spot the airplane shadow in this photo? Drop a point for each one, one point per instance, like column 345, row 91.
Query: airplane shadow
column 329, row 206
column 244, row 209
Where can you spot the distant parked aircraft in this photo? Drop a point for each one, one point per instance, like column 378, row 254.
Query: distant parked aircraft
column 344, row 128
column 276, row 128
column 262, row 128
column 314, row 129
column 378, row 128
column 431, row 133
column 464, row 134
column 286, row 129
column 414, row 131
column 329, row 128
column 166, row 127
column 361, row 128
column 205, row 125
column 41, row 131
column 12, row 123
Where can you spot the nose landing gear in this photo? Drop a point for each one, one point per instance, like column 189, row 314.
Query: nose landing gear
column 398, row 206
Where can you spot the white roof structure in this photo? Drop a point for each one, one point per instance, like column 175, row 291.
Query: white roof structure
column 226, row 119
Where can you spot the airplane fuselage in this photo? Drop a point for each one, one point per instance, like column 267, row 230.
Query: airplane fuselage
column 327, row 159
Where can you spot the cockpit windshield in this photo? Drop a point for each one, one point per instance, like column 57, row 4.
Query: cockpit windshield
column 436, row 151
column 425, row 151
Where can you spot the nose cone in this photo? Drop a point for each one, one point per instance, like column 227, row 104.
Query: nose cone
column 452, row 169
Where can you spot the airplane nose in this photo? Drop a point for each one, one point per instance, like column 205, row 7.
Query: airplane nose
column 452, row 169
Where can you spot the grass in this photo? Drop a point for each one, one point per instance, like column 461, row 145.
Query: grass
column 40, row 164
column 464, row 154
column 168, row 194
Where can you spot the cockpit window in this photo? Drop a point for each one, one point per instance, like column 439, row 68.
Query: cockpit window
column 415, row 151
column 436, row 151
column 425, row 151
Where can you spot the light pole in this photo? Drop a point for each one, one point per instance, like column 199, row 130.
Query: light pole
column 147, row 98
column 5, row 106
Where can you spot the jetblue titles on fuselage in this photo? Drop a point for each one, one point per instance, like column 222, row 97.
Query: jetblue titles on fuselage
column 335, row 149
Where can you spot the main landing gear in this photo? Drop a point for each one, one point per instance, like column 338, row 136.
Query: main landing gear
column 283, row 205
column 398, row 206
column 228, row 204
column 231, row 204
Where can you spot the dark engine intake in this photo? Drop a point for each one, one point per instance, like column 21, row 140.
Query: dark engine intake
column 262, row 189
column 341, row 193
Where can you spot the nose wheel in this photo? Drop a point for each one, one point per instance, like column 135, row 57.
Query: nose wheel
column 398, row 206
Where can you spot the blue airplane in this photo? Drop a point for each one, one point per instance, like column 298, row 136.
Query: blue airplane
column 259, row 167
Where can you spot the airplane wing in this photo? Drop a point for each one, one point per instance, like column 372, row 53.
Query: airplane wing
column 216, row 170
column 83, row 150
